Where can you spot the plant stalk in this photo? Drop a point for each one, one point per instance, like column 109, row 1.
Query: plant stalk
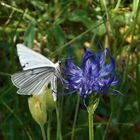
column 75, row 117
column 91, row 123
column 43, row 132
column 49, row 126
column 58, row 133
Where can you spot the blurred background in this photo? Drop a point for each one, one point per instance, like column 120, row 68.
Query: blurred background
column 49, row 27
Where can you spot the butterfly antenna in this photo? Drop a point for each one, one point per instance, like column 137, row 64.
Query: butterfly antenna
column 117, row 92
column 64, row 94
column 63, row 59
column 5, row 74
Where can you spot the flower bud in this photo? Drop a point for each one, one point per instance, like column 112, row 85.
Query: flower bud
column 37, row 107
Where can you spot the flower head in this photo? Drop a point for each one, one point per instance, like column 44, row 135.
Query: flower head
column 94, row 75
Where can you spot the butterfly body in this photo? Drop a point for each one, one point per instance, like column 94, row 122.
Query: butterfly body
column 38, row 72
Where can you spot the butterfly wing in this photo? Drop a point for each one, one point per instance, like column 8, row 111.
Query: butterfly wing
column 33, row 82
column 30, row 59
column 38, row 73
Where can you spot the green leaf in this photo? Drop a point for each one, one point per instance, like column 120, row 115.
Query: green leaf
column 30, row 35
column 59, row 35
column 81, row 16
column 56, row 37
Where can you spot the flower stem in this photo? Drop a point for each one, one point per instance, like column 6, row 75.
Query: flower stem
column 91, row 124
column 43, row 132
column 91, row 109
column 75, row 117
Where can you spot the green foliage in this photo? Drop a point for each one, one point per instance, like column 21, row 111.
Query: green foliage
column 50, row 27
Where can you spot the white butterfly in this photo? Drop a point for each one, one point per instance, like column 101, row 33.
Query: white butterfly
column 38, row 72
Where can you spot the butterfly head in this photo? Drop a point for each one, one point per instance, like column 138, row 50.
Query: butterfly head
column 59, row 62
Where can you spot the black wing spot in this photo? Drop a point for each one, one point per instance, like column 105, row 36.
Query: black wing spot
column 25, row 65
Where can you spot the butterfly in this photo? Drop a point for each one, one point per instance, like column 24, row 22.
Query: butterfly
column 38, row 72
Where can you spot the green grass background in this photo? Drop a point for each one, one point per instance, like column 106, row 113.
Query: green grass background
column 50, row 27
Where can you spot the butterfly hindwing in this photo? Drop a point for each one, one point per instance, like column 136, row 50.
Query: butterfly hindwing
column 54, row 87
column 35, row 88
column 31, row 82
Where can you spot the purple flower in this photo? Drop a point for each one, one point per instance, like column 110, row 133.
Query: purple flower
column 94, row 76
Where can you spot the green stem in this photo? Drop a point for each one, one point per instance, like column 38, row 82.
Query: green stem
column 43, row 132
column 93, row 104
column 107, row 126
column 117, row 5
column 17, row 10
column 58, row 135
column 91, row 124
column 18, row 119
column 75, row 117
column 49, row 126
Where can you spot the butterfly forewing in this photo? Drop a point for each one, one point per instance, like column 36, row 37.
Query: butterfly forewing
column 30, row 59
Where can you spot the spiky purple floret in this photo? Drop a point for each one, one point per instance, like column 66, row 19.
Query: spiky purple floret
column 94, row 76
